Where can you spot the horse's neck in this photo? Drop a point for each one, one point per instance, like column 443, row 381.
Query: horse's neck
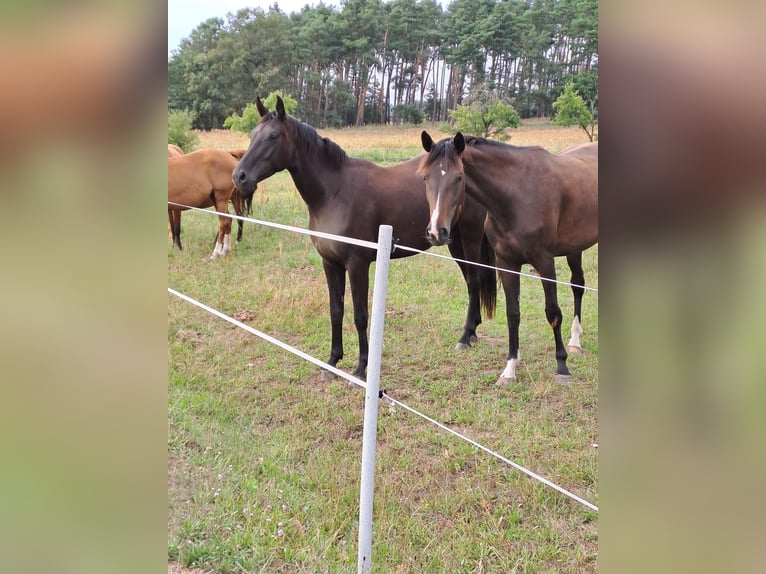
column 487, row 172
column 315, row 182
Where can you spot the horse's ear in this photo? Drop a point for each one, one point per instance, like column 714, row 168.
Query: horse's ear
column 280, row 108
column 426, row 140
column 459, row 142
column 261, row 108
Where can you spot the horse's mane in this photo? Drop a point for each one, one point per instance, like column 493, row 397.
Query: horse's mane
column 477, row 141
column 313, row 143
column 444, row 150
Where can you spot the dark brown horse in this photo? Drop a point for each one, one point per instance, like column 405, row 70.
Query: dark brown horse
column 353, row 197
column 539, row 206
column 202, row 179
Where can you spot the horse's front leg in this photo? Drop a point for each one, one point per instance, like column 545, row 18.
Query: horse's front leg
column 459, row 250
column 359, row 277
column 223, row 240
column 547, row 269
column 335, row 275
column 578, row 278
column 511, row 287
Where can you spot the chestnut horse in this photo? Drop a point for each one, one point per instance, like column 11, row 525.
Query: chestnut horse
column 353, row 197
column 202, row 179
column 173, row 214
column 539, row 206
column 174, row 150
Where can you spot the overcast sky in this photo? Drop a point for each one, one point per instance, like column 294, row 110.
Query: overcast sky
column 185, row 15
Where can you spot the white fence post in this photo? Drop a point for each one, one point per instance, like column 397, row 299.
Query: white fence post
column 364, row 557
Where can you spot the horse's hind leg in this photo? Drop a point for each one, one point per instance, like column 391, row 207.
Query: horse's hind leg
column 547, row 269
column 174, row 217
column 511, row 286
column 578, row 278
column 223, row 240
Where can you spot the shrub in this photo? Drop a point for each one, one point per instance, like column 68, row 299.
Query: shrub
column 179, row 130
column 485, row 114
column 486, row 119
column 245, row 122
column 572, row 111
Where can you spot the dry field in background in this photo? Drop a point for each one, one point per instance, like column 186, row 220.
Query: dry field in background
column 532, row 132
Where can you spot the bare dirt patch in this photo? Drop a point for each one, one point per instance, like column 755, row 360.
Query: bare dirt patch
column 175, row 568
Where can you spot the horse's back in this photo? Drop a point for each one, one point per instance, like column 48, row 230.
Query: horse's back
column 587, row 149
column 210, row 167
column 193, row 177
column 581, row 213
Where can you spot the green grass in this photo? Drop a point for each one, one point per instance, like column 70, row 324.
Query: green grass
column 257, row 444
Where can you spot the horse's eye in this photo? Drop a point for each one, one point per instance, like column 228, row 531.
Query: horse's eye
column 459, row 178
column 424, row 177
column 274, row 136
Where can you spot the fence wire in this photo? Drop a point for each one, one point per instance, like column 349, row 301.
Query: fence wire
column 372, row 245
column 355, row 380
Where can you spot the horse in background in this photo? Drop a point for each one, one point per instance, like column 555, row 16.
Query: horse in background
column 539, row 206
column 202, row 179
column 353, row 197
column 173, row 215
column 174, row 150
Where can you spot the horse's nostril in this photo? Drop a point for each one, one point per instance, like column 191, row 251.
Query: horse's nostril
column 443, row 233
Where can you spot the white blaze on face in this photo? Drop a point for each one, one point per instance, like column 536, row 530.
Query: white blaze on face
column 434, row 217
column 576, row 333
column 432, row 225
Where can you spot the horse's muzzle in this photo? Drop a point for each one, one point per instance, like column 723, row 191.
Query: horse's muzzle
column 243, row 183
column 439, row 238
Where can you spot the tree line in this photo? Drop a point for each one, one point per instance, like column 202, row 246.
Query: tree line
column 371, row 61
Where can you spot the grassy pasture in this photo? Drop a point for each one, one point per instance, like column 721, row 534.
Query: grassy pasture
column 263, row 457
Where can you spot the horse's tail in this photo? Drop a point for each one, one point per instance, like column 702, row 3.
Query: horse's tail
column 488, row 284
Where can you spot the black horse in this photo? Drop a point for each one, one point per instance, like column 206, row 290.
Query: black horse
column 353, row 197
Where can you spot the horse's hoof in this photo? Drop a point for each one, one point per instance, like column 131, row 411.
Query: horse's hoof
column 473, row 339
column 462, row 346
column 572, row 350
column 325, row 376
column 504, row 381
column 562, row 378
